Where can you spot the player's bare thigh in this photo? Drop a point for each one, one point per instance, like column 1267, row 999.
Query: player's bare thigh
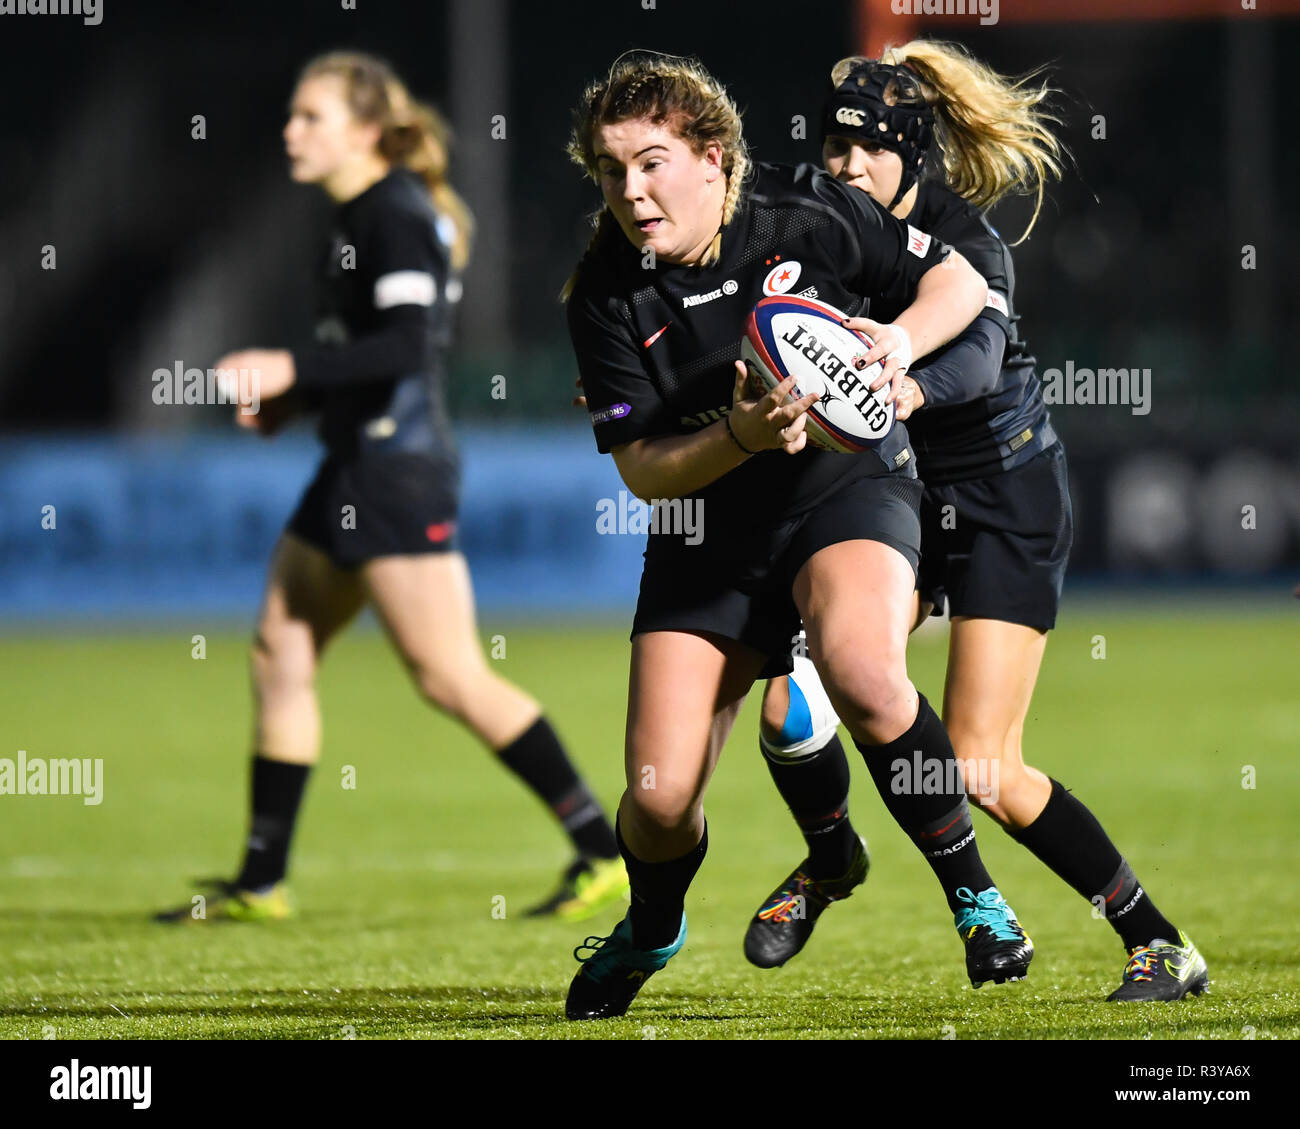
column 425, row 602
column 684, row 693
column 856, row 600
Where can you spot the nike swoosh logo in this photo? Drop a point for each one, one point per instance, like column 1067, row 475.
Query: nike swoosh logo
column 936, row 834
column 654, row 337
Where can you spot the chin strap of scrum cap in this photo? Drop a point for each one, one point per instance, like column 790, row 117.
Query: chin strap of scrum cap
column 857, row 108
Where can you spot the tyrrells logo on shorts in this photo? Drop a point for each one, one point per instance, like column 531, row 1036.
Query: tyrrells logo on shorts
column 617, row 411
column 102, row 1083
column 728, row 288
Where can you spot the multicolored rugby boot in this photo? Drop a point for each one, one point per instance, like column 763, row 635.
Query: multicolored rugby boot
column 784, row 922
column 614, row 971
column 1162, row 971
column 586, row 887
column 226, row 902
column 997, row 948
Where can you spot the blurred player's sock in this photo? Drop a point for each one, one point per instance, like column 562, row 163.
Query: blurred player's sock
column 539, row 760
column 919, row 779
column 276, row 792
column 659, row 893
column 1068, row 838
column 816, row 789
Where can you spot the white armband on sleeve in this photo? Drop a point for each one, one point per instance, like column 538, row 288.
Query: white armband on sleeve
column 405, row 288
column 995, row 301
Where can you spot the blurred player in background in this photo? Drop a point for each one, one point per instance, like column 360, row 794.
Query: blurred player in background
column 378, row 523
column 995, row 515
column 788, row 531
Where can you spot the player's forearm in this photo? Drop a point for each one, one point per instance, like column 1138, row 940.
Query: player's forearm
column 396, row 350
column 676, row 465
column 948, row 298
column 966, row 369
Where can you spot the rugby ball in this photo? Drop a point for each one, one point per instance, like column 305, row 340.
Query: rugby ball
column 789, row 336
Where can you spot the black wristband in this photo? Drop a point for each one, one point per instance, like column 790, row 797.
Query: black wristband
column 727, row 420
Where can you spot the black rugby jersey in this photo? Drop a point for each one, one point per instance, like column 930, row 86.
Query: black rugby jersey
column 656, row 347
column 377, row 373
column 964, row 433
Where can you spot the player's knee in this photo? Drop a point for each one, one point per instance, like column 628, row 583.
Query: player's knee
column 776, row 703
column 805, row 721
column 875, row 698
column 281, row 661
column 450, row 692
column 660, row 806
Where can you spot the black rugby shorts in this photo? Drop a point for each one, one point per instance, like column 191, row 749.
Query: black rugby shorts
column 738, row 582
column 379, row 505
column 996, row 547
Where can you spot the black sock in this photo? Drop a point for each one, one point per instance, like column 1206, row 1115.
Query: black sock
column 276, row 792
column 816, row 789
column 1068, row 838
column 921, row 783
column 659, row 892
column 539, row 760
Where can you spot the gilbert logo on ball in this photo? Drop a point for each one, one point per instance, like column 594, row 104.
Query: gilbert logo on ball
column 790, row 336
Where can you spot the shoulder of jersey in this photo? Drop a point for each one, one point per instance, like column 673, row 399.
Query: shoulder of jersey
column 597, row 287
column 780, row 183
column 949, row 217
column 404, row 193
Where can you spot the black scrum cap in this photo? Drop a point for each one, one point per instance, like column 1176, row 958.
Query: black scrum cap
column 857, row 108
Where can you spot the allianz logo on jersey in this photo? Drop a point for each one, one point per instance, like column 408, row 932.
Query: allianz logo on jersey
column 703, row 419
column 728, row 288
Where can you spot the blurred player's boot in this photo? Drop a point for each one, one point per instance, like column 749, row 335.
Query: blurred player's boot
column 614, row 971
column 586, row 888
column 785, row 921
column 997, row 948
column 225, row 902
column 1163, row 971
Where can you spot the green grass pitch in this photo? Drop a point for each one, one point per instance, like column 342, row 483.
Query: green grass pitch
column 396, row 878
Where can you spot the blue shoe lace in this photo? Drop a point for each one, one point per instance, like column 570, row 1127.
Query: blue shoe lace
column 607, row 953
column 987, row 908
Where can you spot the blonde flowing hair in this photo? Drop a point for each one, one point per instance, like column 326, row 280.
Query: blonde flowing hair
column 413, row 135
column 993, row 132
column 661, row 88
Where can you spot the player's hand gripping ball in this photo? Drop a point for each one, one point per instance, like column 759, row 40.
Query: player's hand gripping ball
column 788, row 336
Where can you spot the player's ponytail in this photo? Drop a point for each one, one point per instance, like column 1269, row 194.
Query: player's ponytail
column 413, row 135
column 417, row 139
column 993, row 132
column 662, row 88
